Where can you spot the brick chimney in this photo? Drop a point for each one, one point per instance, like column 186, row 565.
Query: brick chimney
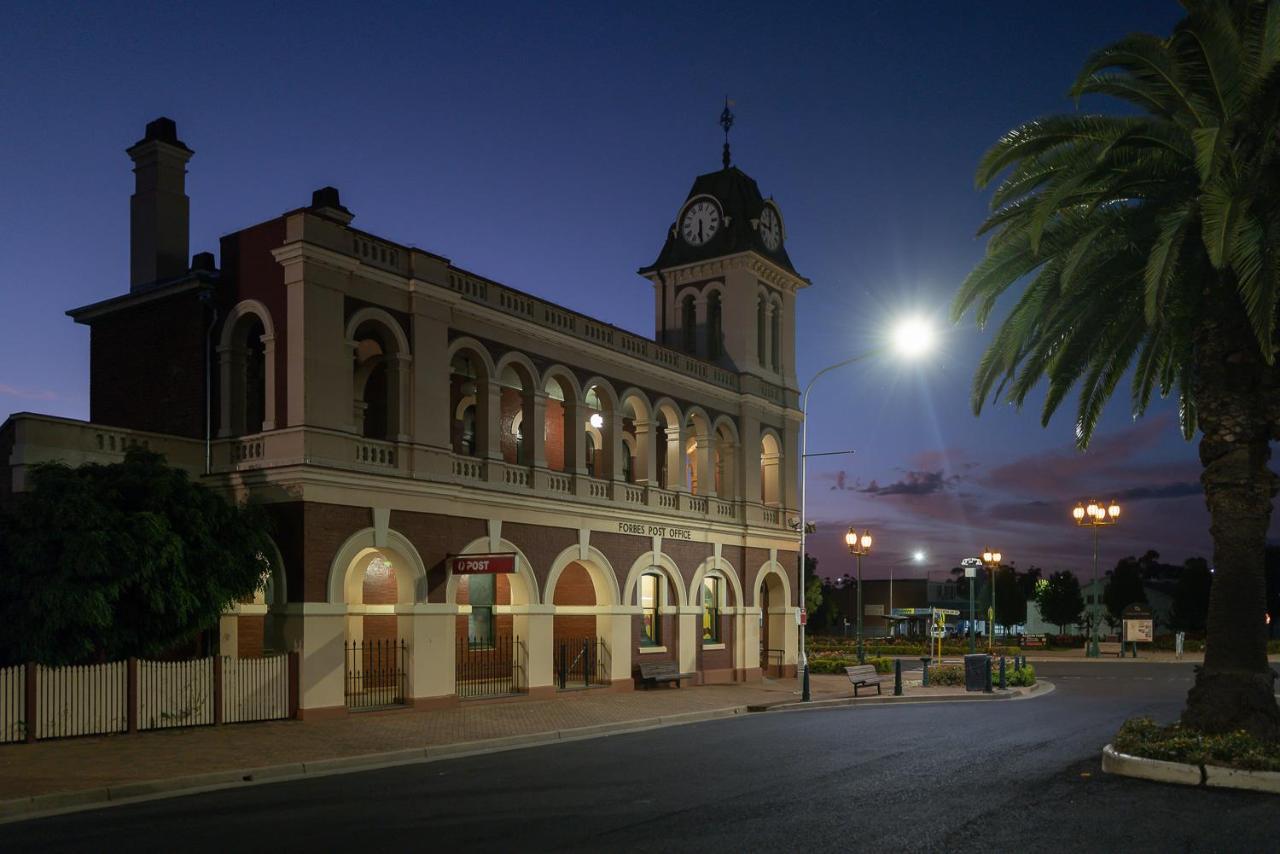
column 159, row 211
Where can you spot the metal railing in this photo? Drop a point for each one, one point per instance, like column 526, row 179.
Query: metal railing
column 490, row 669
column 375, row 673
column 581, row 662
column 255, row 689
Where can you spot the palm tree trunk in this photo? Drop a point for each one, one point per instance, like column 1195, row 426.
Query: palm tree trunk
column 1235, row 688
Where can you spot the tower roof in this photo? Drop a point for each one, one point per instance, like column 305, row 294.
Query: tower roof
column 741, row 202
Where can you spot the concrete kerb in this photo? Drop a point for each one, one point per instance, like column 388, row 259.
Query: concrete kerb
column 1039, row 689
column 1125, row 765
column 59, row 803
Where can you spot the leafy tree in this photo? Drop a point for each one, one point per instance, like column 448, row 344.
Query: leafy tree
column 1060, row 601
column 1011, row 605
column 109, row 561
column 1124, row 587
column 1191, row 595
column 1148, row 242
column 812, row 585
column 1027, row 582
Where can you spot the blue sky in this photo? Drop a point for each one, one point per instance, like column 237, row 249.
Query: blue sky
column 549, row 146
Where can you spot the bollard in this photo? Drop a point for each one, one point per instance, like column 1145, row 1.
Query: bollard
column 1003, row 683
column 804, row 690
column 924, row 680
column 897, row 677
column 987, row 689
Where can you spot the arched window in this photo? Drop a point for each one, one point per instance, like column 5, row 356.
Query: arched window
column 689, row 323
column 650, row 596
column 770, row 470
column 775, row 336
column 245, row 372
column 762, row 330
column 467, row 439
column 711, row 592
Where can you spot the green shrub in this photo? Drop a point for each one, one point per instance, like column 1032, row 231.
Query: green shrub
column 1021, row 677
column 882, row 664
column 1176, row 743
column 946, row 674
column 1273, row 647
column 830, row 662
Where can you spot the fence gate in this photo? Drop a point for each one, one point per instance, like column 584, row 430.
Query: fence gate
column 581, row 662
column 375, row 673
column 490, row 668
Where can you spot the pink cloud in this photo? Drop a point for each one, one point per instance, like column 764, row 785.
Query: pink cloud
column 27, row 394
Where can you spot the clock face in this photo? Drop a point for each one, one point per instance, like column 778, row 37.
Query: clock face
column 700, row 222
column 770, row 228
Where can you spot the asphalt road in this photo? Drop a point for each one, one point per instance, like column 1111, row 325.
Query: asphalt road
column 1016, row 775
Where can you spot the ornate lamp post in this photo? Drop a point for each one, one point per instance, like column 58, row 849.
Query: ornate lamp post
column 859, row 546
column 991, row 560
column 1095, row 515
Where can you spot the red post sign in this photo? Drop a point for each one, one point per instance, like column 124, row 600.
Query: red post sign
column 483, row 564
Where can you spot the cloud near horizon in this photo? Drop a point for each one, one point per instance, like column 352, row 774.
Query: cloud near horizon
column 27, row 394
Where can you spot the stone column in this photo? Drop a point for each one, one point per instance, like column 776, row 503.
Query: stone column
column 646, row 466
column 534, row 625
column 535, row 428
column 232, row 404
column 400, row 396
column 688, row 618
column 747, row 657
column 614, row 626
column 702, row 459
column 575, row 445
column 611, row 438
column 429, row 629
column 316, row 630
column 488, row 419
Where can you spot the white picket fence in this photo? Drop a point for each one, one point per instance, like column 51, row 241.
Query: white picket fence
column 93, row 699
column 175, row 693
column 13, row 700
column 255, row 689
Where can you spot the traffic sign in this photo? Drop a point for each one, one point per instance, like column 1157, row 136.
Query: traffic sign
column 947, row 611
column 938, row 633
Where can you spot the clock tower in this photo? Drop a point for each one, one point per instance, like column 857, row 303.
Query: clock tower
column 724, row 286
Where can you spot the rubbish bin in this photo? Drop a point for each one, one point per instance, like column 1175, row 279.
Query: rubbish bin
column 975, row 672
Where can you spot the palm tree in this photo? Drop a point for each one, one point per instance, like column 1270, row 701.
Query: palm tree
column 1151, row 240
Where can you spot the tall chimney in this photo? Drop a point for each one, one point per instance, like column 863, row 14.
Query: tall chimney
column 159, row 211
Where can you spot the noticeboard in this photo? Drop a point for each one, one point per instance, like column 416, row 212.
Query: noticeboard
column 1138, row 631
column 873, row 610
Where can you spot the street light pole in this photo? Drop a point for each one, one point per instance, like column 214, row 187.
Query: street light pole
column 992, row 561
column 1095, row 516
column 858, row 547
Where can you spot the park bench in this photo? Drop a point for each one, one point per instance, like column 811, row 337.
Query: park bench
column 861, row 676
column 1111, row 648
column 1029, row 641
column 660, row 671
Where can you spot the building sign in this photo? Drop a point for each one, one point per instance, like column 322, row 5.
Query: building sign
column 483, row 564
column 647, row 530
column 1138, row 624
column 873, row 610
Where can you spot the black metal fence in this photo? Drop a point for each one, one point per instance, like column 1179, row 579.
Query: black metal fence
column 490, row 669
column 375, row 673
column 581, row 662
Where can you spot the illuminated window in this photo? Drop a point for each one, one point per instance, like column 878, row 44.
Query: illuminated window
column 650, row 602
column 711, row 609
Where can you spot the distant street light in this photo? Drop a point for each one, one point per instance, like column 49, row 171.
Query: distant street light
column 1094, row 515
column 991, row 560
column 859, row 546
column 910, row 339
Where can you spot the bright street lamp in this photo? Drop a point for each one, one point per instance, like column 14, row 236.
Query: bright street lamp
column 992, row 562
column 858, row 547
column 1095, row 515
column 911, row 339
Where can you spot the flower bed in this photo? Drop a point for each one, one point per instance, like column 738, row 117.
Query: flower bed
column 1175, row 743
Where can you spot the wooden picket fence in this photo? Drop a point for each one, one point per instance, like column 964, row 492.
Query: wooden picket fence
column 38, row 702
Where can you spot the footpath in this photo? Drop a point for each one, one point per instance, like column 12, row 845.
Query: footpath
column 84, row 772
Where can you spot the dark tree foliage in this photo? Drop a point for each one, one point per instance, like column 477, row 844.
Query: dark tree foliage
column 1124, row 587
column 103, row 562
column 1191, row 595
column 1060, row 601
column 1011, row 604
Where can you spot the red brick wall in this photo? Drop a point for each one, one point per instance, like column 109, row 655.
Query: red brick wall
column 574, row 587
column 540, row 545
column 379, row 587
column 512, row 402
column 250, row 271
column 436, row 537
column 553, row 444
column 380, row 627
column 249, row 632
column 146, row 366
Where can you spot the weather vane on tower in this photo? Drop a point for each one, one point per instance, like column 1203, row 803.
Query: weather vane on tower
column 726, row 122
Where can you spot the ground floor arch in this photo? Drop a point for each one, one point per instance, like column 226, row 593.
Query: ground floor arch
column 777, row 622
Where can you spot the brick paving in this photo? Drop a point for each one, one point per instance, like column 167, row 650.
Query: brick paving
column 95, row 762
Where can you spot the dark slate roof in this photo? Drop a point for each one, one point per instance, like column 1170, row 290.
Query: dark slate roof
column 740, row 197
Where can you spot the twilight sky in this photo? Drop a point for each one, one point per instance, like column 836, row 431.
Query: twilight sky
column 549, row 146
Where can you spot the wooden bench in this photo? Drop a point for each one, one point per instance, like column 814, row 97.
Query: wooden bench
column 660, row 671
column 1111, row 648
column 1030, row 641
column 861, row 676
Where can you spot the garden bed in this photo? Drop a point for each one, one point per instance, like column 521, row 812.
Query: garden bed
column 1175, row 743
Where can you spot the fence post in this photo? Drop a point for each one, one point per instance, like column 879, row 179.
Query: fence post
column 29, row 701
column 586, row 663
column 217, row 689
column 295, row 682
column 1003, row 683
column 131, row 694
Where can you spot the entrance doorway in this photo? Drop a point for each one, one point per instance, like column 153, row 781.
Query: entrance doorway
column 580, row 655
